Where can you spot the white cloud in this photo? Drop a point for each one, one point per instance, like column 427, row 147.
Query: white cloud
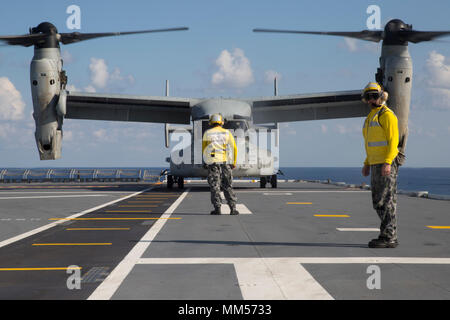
column 348, row 128
column 67, row 57
column 234, row 70
column 350, row 44
column 99, row 72
column 436, row 81
column 11, row 104
column 90, row 88
column 355, row 45
column 101, row 78
column 100, row 134
column 6, row 130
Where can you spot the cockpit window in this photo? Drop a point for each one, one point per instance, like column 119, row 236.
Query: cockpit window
column 236, row 124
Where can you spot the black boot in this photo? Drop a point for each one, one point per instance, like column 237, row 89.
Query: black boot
column 216, row 211
column 233, row 211
column 382, row 242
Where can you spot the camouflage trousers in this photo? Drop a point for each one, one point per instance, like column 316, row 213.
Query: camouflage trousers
column 220, row 176
column 384, row 199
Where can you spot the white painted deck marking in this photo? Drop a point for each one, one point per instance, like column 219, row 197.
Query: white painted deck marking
column 225, row 209
column 48, row 226
column 242, row 208
column 263, row 278
column 357, row 229
column 110, row 285
column 286, row 278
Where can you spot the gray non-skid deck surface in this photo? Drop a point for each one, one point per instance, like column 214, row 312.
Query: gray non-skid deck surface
column 276, row 229
column 263, row 255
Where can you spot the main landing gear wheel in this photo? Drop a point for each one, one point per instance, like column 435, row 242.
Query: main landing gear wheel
column 262, row 182
column 180, row 182
column 273, row 181
column 170, row 181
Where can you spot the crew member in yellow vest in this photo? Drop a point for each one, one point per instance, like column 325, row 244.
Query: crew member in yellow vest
column 219, row 155
column 381, row 138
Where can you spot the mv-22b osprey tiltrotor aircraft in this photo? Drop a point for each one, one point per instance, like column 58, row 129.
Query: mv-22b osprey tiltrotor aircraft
column 52, row 102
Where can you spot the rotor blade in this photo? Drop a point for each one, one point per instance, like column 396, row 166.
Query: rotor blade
column 25, row 40
column 419, row 36
column 368, row 35
column 67, row 38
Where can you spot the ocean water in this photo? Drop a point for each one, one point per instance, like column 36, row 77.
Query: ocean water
column 433, row 180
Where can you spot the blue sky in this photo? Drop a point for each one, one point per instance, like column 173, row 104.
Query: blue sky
column 140, row 64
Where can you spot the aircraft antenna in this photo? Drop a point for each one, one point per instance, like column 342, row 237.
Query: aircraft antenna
column 275, row 86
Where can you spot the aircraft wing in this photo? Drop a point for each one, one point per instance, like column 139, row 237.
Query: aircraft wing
column 94, row 106
column 318, row 106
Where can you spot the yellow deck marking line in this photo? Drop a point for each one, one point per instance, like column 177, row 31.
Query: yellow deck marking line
column 439, row 227
column 138, row 206
column 53, row 224
column 298, row 202
column 332, row 215
column 72, row 244
column 73, row 229
column 39, row 269
column 114, row 211
column 148, row 199
column 71, row 219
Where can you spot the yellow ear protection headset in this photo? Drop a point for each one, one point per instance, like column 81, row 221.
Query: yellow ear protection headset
column 373, row 90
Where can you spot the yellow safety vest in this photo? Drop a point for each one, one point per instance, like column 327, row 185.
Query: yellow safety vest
column 218, row 146
column 380, row 136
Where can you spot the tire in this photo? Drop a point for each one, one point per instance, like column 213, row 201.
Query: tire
column 170, row 181
column 180, row 182
column 273, row 181
column 262, row 182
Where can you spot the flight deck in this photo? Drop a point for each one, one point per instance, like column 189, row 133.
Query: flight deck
column 302, row 240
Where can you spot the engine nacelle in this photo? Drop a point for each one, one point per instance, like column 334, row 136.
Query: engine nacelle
column 49, row 102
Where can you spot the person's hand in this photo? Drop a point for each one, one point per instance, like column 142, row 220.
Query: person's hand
column 386, row 169
column 366, row 170
column 232, row 166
